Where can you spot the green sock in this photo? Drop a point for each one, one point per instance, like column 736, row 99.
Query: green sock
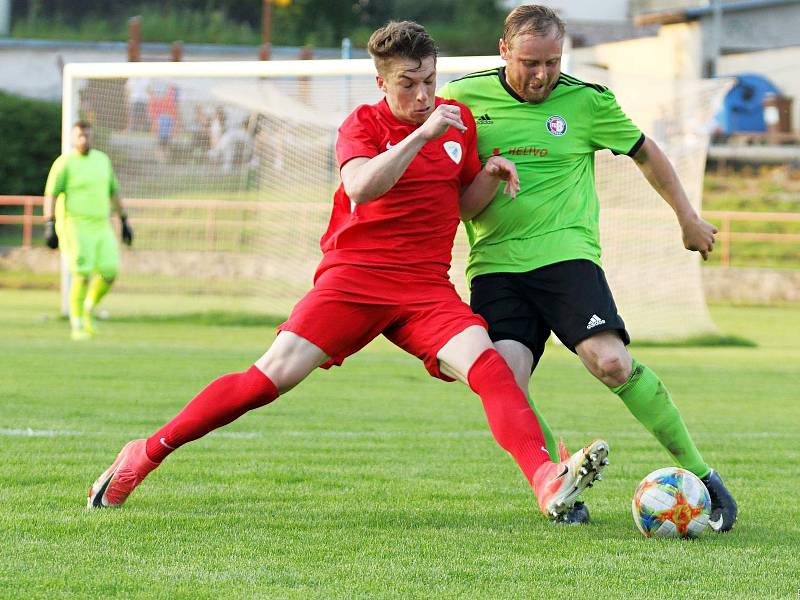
column 97, row 289
column 549, row 439
column 77, row 296
column 649, row 401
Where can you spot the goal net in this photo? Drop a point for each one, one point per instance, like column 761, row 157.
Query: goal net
column 227, row 171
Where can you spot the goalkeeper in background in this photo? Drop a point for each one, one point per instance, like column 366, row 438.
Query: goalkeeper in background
column 534, row 265
column 89, row 187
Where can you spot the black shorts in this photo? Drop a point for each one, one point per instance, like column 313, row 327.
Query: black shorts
column 571, row 298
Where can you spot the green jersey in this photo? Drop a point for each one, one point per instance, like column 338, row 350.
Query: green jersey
column 555, row 216
column 87, row 183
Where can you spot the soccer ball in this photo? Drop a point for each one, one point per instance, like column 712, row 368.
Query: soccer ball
column 671, row 502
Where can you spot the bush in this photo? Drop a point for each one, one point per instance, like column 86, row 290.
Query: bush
column 31, row 134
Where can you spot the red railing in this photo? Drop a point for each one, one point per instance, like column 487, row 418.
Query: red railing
column 724, row 218
column 27, row 219
column 725, row 235
column 209, row 209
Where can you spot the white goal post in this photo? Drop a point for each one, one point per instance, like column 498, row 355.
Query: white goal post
column 227, row 170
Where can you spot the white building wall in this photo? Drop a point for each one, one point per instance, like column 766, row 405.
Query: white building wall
column 673, row 53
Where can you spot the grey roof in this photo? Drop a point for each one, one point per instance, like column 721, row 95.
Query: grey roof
column 690, row 14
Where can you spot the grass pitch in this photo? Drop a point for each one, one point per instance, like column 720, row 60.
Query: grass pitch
column 373, row 480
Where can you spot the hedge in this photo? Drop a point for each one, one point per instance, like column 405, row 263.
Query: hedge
column 30, row 136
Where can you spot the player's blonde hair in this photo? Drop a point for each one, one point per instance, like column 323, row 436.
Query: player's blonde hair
column 532, row 19
column 400, row 39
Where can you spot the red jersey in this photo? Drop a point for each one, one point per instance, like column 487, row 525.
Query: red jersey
column 412, row 226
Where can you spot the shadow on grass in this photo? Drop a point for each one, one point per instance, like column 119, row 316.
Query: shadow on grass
column 733, row 341
column 216, row 318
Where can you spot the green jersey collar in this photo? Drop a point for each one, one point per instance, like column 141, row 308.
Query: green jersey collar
column 501, row 74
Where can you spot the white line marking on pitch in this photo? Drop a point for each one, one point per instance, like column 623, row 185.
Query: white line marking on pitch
column 30, row 432
column 38, row 432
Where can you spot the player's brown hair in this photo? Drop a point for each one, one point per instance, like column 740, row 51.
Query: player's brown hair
column 532, row 19
column 400, row 39
column 82, row 124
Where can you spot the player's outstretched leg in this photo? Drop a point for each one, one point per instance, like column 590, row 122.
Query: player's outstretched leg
column 579, row 513
column 521, row 361
column 723, row 506
column 222, row 401
column 557, row 485
column 289, row 360
column 124, row 474
column 516, row 429
column 649, row 401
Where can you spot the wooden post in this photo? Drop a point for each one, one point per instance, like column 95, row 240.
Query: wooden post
column 27, row 222
column 304, row 83
column 266, row 30
column 176, row 55
column 210, row 227
column 134, row 38
column 726, row 242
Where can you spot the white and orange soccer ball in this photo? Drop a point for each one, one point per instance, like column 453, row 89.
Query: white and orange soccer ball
column 671, row 502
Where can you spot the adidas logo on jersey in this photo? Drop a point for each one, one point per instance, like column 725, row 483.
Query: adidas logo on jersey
column 594, row 322
column 484, row 119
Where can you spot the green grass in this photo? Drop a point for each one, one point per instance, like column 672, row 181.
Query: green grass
column 372, row 480
column 768, row 192
column 701, row 340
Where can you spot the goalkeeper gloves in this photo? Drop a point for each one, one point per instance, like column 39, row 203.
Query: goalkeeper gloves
column 127, row 232
column 50, row 236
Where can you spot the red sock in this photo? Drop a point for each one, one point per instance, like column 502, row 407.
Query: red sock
column 511, row 419
column 223, row 400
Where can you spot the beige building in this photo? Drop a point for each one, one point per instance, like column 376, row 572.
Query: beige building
column 757, row 36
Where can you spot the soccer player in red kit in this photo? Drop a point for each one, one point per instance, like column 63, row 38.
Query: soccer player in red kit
column 409, row 170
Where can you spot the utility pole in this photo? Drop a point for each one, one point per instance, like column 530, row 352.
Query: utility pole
column 265, row 51
column 266, row 30
column 716, row 36
column 5, row 17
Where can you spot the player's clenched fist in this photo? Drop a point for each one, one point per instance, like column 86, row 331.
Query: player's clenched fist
column 698, row 235
column 445, row 115
column 50, row 236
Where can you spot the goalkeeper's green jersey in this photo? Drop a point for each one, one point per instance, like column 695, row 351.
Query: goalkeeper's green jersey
column 87, row 183
column 555, row 216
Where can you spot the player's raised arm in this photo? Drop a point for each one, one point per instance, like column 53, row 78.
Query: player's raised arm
column 698, row 234
column 366, row 179
column 484, row 187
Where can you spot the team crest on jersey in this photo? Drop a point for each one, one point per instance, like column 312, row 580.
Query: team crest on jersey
column 556, row 125
column 453, row 150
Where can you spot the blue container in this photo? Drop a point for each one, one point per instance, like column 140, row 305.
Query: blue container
column 743, row 106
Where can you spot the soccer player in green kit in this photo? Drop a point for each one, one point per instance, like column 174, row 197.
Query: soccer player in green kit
column 86, row 179
column 534, row 265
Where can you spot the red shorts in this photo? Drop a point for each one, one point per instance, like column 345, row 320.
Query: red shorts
column 350, row 306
